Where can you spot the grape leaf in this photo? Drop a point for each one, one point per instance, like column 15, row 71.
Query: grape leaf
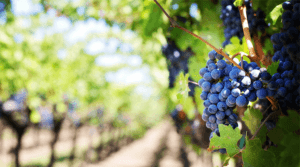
column 154, row 20
column 272, row 69
column 285, row 125
column 289, row 123
column 275, row 13
column 236, row 47
column 252, row 119
column 238, row 3
column 262, row 133
column 228, row 139
column 254, row 155
column 182, row 81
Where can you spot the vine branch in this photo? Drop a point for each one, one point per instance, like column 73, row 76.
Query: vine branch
column 252, row 54
column 245, row 25
column 261, row 125
column 273, row 102
column 219, row 51
column 253, row 57
column 194, row 82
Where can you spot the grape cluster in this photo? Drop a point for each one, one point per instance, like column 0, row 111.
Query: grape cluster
column 225, row 86
column 177, row 61
column 284, row 85
column 72, row 114
column 232, row 21
column 179, row 117
column 47, row 120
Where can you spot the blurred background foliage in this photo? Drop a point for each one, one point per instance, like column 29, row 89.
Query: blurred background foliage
column 105, row 53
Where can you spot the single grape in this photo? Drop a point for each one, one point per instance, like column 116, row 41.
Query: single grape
column 206, row 86
column 214, row 98
column 212, row 109
column 281, row 91
column 231, row 99
column 246, row 81
column 207, row 77
column 222, row 106
column 212, row 54
column 219, row 87
column 203, row 71
column 200, row 81
column 208, row 125
column 234, row 74
column 220, row 115
column 252, row 97
column 272, row 85
column 221, row 98
column 228, row 112
column 257, row 84
column 206, row 103
column 261, row 93
column 225, row 93
column 215, row 74
column 221, row 64
column 241, row 101
column 235, row 92
column 203, row 95
column 205, row 117
column 254, row 74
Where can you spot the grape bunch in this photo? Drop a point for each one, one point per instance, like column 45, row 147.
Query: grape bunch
column 47, row 120
column 284, row 84
column 225, row 86
column 177, row 61
column 72, row 114
column 179, row 117
column 232, row 21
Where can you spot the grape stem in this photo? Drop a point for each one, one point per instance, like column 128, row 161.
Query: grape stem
column 219, row 51
column 261, row 125
column 266, row 110
column 194, row 82
column 242, row 54
column 258, row 47
column 273, row 102
column 252, row 56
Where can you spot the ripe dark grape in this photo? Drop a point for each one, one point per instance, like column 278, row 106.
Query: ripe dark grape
column 232, row 22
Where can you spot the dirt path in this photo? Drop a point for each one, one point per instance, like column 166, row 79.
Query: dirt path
column 172, row 154
column 142, row 152
column 160, row 147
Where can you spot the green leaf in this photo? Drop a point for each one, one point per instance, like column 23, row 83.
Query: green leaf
column 254, row 155
column 35, row 116
column 287, row 141
column 262, row 133
column 272, row 69
column 228, row 139
column 289, row 123
column 252, row 119
column 154, row 20
column 238, row 3
column 236, row 47
column 183, row 87
column 276, row 13
column 285, row 125
column 287, row 151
